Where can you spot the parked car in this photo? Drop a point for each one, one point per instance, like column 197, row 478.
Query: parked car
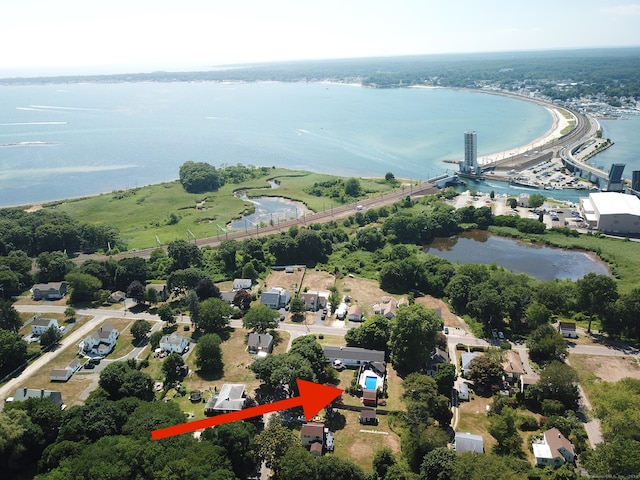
column 446, row 330
column 338, row 365
column 89, row 365
column 501, row 335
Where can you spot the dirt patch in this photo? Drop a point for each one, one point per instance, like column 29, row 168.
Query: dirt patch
column 318, row 280
column 363, row 292
column 289, row 280
column 448, row 317
column 361, row 450
column 610, row 369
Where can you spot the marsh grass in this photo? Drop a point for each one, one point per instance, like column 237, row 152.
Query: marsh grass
column 168, row 211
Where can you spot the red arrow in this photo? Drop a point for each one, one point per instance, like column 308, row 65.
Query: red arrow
column 313, row 398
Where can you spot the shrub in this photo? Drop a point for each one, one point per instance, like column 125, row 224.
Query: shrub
column 552, row 407
column 505, row 346
column 528, row 423
column 186, row 328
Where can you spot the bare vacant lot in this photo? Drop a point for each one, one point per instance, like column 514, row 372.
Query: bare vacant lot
column 280, row 278
column 610, row 369
column 448, row 317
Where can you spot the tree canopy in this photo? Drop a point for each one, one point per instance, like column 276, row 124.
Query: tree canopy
column 200, row 177
column 412, row 336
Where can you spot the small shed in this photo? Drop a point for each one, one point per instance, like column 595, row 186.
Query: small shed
column 354, row 314
column 368, row 417
column 463, row 391
column 370, row 398
column 316, row 449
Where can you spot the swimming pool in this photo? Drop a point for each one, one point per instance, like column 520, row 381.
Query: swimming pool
column 370, row 383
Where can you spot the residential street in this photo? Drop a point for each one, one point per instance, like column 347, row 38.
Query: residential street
column 457, row 335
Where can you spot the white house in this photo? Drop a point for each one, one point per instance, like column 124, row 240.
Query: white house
column 242, row 284
column 387, row 307
column 231, row 398
column 64, row 374
column 523, row 200
column 100, row 342
column 275, row 298
column 554, row 449
column 174, row 343
column 568, row 329
column 41, row 325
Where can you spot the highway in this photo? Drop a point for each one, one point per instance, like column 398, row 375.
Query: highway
column 584, row 129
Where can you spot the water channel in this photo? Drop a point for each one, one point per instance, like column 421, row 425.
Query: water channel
column 541, row 262
column 269, row 210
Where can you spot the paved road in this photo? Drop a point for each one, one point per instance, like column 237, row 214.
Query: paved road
column 456, row 335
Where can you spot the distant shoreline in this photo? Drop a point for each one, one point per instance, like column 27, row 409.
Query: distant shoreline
column 559, row 123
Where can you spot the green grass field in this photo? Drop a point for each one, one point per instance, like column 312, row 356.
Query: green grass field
column 167, row 211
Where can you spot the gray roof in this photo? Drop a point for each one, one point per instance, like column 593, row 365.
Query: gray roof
column 48, row 286
column 228, row 296
column 74, row 364
column 467, row 357
column 259, row 340
column 173, row 339
column 231, row 397
column 467, row 442
column 23, row 394
column 354, row 353
column 43, row 322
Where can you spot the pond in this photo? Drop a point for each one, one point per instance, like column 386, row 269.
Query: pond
column 541, row 262
column 269, row 209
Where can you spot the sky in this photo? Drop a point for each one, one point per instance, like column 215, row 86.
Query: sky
column 91, row 36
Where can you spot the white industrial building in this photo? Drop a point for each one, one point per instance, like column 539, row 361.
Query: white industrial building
column 612, row 212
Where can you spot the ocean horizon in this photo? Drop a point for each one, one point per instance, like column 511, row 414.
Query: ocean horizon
column 72, row 140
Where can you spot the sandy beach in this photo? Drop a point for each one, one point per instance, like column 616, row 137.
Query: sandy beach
column 560, row 122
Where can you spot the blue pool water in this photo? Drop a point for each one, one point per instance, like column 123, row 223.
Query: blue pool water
column 370, row 383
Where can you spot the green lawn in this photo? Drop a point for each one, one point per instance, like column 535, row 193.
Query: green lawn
column 236, row 370
column 359, row 443
column 144, row 212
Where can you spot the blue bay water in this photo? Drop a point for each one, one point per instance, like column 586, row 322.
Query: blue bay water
column 103, row 137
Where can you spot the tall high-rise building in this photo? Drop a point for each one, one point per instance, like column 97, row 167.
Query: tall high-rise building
column 470, row 165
